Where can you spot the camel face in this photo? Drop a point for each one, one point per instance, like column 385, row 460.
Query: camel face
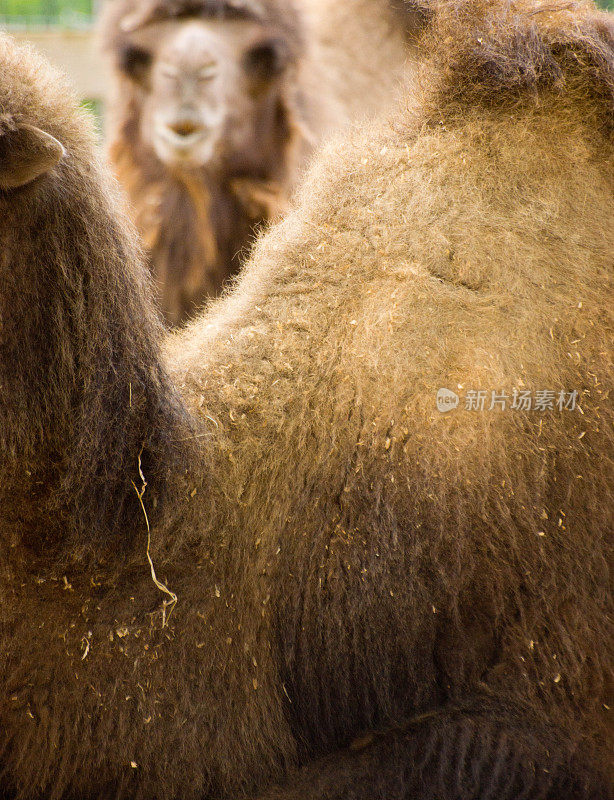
column 207, row 90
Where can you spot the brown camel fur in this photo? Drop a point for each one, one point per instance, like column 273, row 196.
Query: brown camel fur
column 294, row 551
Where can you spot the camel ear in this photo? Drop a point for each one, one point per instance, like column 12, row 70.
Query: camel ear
column 26, row 153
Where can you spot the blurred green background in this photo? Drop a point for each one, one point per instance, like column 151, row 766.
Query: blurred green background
column 32, row 13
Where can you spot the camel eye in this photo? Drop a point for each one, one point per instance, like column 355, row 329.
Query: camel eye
column 169, row 72
column 208, row 73
column 266, row 60
column 135, row 62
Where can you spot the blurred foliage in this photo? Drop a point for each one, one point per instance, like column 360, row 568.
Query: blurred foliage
column 96, row 109
column 68, row 13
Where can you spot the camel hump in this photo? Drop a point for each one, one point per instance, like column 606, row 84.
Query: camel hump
column 496, row 54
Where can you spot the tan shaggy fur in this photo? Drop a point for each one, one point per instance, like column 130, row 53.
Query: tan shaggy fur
column 342, row 61
column 352, row 568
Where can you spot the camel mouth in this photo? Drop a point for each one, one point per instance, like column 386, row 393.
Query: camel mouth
column 173, row 144
column 181, row 139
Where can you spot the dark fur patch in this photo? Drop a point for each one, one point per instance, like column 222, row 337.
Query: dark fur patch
column 134, row 61
column 267, row 60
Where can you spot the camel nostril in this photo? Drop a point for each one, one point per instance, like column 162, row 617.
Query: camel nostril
column 186, row 128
